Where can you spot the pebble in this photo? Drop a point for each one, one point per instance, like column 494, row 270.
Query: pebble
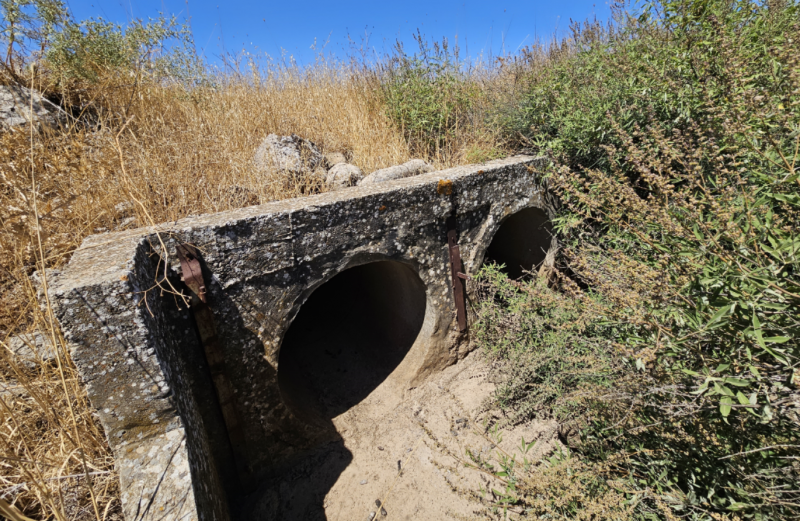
column 383, row 512
column 363, row 482
column 408, row 450
column 372, row 515
column 461, row 420
column 454, row 433
column 380, row 448
column 377, row 502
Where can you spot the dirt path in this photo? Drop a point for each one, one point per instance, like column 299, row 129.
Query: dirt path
column 405, row 448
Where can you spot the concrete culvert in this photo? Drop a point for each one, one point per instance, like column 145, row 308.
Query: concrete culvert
column 522, row 242
column 350, row 334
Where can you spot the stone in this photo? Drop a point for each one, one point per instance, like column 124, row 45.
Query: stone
column 32, row 348
column 570, row 434
column 292, row 155
column 343, row 175
column 408, row 169
column 15, row 108
column 334, row 158
column 139, row 353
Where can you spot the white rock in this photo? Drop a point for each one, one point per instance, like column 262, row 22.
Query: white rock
column 15, row 108
column 290, row 154
column 343, row 175
column 411, row 168
column 30, row 348
column 334, row 158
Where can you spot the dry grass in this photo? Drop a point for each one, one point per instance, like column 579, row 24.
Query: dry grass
column 184, row 152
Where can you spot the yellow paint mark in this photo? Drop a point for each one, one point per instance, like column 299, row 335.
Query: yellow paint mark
column 445, row 187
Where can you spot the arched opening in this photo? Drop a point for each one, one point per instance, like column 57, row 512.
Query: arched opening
column 522, row 242
column 350, row 334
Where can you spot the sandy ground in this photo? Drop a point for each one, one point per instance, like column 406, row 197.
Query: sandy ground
column 407, row 449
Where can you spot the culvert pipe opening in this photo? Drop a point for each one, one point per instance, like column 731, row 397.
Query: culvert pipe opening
column 350, row 334
column 522, row 242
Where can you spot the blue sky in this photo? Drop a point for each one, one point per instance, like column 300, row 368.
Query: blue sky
column 230, row 26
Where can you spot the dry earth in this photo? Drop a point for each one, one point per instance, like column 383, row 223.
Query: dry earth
column 424, row 432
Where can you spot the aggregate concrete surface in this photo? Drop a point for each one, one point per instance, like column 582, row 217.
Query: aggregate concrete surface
column 137, row 348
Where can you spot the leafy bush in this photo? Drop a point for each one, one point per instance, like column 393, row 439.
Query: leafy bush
column 427, row 95
column 675, row 142
column 41, row 32
column 91, row 48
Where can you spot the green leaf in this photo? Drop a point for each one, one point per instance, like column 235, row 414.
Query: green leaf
column 725, row 406
column 743, row 400
column 723, row 390
column 738, row 382
column 757, row 332
column 719, row 314
column 777, row 339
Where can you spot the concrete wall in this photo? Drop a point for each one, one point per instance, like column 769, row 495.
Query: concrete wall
column 137, row 348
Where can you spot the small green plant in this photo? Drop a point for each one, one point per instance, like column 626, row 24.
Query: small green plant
column 427, row 95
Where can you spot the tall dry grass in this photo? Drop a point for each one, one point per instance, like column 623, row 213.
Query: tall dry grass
column 153, row 151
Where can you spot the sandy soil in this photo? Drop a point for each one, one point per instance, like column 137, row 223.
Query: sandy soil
column 407, row 449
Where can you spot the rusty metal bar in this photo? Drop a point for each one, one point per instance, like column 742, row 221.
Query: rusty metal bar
column 204, row 318
column 456, row 272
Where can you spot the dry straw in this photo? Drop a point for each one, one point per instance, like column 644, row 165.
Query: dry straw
column 154, row 151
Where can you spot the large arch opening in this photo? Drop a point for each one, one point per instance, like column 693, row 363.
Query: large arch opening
column 350, row 334
column 522, row 241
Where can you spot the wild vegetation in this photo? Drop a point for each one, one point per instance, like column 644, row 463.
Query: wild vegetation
column 670, row 337
column 665, row 341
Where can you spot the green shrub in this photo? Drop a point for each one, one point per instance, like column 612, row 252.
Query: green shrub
column 427, row 95
column 42, row 32
column 91, row 48
column 675, row 138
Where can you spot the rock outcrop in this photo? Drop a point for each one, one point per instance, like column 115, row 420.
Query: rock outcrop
column 31, row 348
column 292, row 155
column 411, row 168
column 16, row 104
column 343, row 175
column 334, row 158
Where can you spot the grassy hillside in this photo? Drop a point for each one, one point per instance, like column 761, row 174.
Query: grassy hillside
column 667, row 343
column 666, row 340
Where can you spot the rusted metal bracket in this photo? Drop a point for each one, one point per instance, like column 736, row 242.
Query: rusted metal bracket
column 204, row 318
column 457, row 274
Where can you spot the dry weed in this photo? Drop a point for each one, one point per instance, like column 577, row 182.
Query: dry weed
column 185, row 152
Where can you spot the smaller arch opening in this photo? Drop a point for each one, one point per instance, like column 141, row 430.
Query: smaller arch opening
column 350, row 334
column 522, row 241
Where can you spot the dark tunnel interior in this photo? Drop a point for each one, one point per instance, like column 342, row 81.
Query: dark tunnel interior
column 350, row 334
column 522, row 242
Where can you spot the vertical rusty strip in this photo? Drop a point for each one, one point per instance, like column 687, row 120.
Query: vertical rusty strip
column 204, row 318
column 457, row 276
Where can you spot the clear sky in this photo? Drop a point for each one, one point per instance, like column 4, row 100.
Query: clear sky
column 230, row 26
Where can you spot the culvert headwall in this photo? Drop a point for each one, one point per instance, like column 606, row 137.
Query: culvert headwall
column 202, row 404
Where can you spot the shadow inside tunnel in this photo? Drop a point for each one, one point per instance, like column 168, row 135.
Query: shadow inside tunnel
column 348, row 337
column 299, row 493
